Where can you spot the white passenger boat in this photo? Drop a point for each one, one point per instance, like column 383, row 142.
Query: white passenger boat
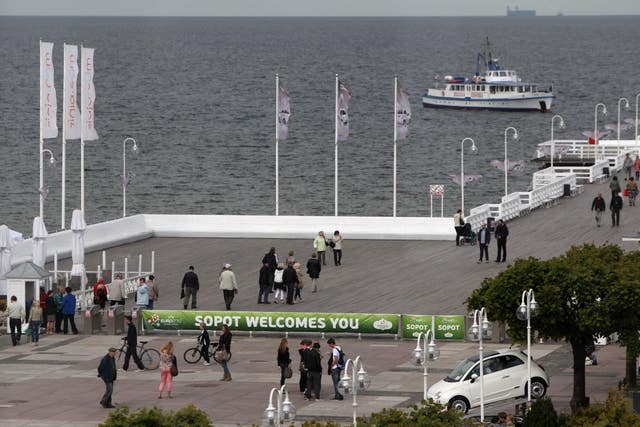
column 496, row 89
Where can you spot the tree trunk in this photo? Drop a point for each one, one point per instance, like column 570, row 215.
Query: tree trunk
column 579, row 399
column 631, row 376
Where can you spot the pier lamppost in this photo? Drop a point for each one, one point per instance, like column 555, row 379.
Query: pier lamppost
column 125, row 177
column 422, row 355
column 358, row 381
column 284, row 411
column 43, row 190
column 506, row 159
column 480, row 329
column 528, row 308
column 637, row 99
column 473, row 148
column 595, row 123
column 553, row 141
column 626, row 106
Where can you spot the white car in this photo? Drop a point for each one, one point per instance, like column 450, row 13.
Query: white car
column 505, row 377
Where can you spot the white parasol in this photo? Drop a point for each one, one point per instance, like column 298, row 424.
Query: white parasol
column 77, row 245
column 40, row 234
column 6, row 243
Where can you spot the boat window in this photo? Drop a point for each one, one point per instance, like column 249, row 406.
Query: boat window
column 502, row 73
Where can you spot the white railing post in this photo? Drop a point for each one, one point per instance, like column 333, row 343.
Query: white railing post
column 55, row 267
column 153, row 261
column 126, row 267
column 140, row 265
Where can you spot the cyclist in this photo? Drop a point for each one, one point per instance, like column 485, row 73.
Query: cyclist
column 204, row 341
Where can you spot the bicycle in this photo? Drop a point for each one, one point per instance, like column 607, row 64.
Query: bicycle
column 150, row 357
column 193, row 355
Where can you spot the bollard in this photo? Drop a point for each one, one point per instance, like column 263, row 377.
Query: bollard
column 115, row 320
column 92, row 320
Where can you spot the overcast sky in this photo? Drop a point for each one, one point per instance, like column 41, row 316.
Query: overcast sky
column 313, row 7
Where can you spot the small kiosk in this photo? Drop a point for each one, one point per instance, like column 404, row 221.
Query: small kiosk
column 24, row 281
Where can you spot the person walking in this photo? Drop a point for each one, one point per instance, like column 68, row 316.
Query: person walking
column 290, row 281
column 616, row 206
column 278, row 283
column 283, row 358
column 264, row 282
column 190, row 286
column 484, row 237
column 116, row 290
column 142, row 294
column 458, row 224
column 291, row 258
column 632, row 191
column 337, row 248
column 204, row 341
column 100, row 293
column 58, row 296
column 271, row 258
column 627, row 164
column 15, row 314
column 636, row 167
column 599, row 206
column 320, row 245
column 50, row 313
column 336, row 367
column 132, row 345
column 614, row 185
column 303, row 350
column 167, row 360
column 228, row 285
column 501, row 233
column 224, row 343
column 108, row 373
column 35, row 320
column 313, row 270
column 314, row 372
column 154, row 292
column 299, row 283
column 69, row 311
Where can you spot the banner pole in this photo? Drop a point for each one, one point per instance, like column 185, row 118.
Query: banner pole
column 395, row 138
column 82, row 109
column 442, row 205
column 64, row 138
column 41, row 189
column 336, row 150
column 431, row 205
column 277, row 140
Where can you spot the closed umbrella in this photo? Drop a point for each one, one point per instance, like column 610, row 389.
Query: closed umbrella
column 39, row 242
column 77, row 245
column 6, row 243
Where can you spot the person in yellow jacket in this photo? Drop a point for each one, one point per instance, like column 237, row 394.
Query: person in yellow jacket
column 320, row 246
column 228, row 285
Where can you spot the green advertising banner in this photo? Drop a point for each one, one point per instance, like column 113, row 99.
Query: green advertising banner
column 446, row 327
column 365, row 323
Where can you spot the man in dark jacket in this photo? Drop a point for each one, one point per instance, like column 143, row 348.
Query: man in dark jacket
column 289, row 279
column 616, row 207
column 132, row 345
column 501, row 237
column 314, row 372
column 484, row 237
column 108, row 372
column 190, row 286
column 205, row 342
column 69, row 311
column 266, row 276
column 599, row 206
column 271, row 259
column 313, row 270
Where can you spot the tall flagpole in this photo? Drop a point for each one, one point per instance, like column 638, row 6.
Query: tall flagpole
column 336, row 148
column 41, row 189
column 82, row 109
column 277, row 140
column 64, row 137
column 395, row 138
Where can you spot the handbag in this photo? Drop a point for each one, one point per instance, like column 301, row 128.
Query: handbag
column 182, row 293
column 288, row 372
column 220, row 355
column 174, row 367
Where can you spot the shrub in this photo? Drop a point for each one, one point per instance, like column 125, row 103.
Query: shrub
column 189, row 416
column 542, row 414
column 615, row 412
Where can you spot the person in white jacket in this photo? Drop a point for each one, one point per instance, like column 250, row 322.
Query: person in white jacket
column 228, row 285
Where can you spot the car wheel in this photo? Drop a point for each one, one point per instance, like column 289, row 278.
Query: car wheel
column 538, row 388
column 459, row 404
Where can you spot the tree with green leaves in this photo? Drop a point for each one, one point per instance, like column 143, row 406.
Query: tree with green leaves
column 576, row 294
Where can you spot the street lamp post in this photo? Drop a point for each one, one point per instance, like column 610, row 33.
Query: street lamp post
column 421, row 356
column 553, row 141
column 473, row 148
column 480, row 329
column 626, row 102
column 358, row 381
column 125, row 178
column 506, row 159
column 284, row 411
column 528, row 308
column 595, row 121
column 42, row 190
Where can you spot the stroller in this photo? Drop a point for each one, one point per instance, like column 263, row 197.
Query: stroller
column 467, row 235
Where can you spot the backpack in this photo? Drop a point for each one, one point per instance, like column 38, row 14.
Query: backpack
column 341, row 358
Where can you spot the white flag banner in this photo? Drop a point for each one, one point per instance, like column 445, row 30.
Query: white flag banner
column 284, row 113
column 89, row 132
column 48, row 104
column 343, row 112
column 403, row 113
column 70, row 114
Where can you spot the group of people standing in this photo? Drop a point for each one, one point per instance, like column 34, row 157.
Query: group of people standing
column 483, row 237
column 599, row 206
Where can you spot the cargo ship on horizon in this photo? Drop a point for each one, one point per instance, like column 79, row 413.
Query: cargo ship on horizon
column 520, row 12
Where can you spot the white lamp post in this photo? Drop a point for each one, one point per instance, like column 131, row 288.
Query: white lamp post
column 42, row 190
column 528, row 308
column 553, row 141
column 422, row 355
column 358, row 381
column 125, row 177
column 637, row 99
column 283, row 412
column 626, row 102
column 473, row 148
column 480, row 329
column 506, row 159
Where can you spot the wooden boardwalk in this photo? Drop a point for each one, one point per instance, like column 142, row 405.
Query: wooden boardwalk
column 417, row 277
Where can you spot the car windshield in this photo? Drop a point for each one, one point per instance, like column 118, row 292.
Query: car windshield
column 460, row 370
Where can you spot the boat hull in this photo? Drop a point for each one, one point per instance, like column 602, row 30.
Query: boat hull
column 538, row 103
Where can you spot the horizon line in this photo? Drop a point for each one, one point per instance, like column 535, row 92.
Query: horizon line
column 562, row 15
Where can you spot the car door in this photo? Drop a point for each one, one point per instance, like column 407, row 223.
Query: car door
column 514, row 373
column 495, row 387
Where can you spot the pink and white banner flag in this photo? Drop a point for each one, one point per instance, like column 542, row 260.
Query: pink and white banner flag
column 70, row 114
column 284, row 113
column 48, row 103
column 403, row 114
column 89, row 132
column 343, row 113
